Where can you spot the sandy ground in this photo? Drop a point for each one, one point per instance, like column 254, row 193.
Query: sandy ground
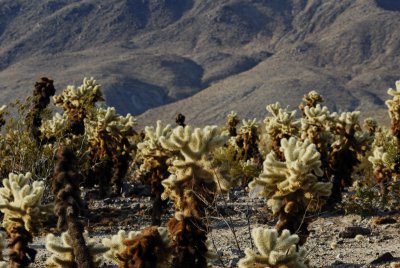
column 230, row 231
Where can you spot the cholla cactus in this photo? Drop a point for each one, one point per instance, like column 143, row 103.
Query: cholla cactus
column 19, row 200
column 192, row 186
column 3, row 237
column 2, row 112
column 311, row 99
column 291, row 186
column 248, row 139
column 282, row 124
column 63, row 253
column 78, row 102
column 116, row 245
column 44, row 89
column 233, row 121
column 23, row 211
column 371, row 125
column 108, row 135
column 193, row 172
column 275, row 251
column 149, row 248
column 394, row 109
column 154, row 167
column 343, row 157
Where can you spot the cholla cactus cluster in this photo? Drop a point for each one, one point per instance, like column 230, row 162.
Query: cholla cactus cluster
column 2, row 112
column 62, row 249
column 44, row 89
column 192, row 172
column 275, row 251
column 109, row 147
column 20, row 200
column 154, row 165
column 192, row 186
column 394, row 109
column 23, row 211
column 310, row 100
column 281, row 124
column 291, row 186
column 78, row 103
column 233, row 121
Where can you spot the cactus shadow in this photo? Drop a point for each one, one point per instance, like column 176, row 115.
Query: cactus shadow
column 344, row 265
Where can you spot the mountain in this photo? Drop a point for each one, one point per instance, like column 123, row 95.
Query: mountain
column 204, row 58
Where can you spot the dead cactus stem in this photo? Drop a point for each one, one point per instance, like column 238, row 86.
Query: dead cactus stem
column 68, row 204
column 44, row 89
column 20, row 254
column 144, row 251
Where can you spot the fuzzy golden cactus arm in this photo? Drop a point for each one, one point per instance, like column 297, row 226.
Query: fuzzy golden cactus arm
column 150, row 148
column 274, row 251
column 282, row 120
column 193, row 145
column 110, row 122
column 299, row 171
column 394, row 104
column 18, row 199
column 116, row 244
column 73, row 97
column 62, row 251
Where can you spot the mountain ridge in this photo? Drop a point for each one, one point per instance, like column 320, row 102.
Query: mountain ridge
column 204, row 58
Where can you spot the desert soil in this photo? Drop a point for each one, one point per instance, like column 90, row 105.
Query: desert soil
column 230, row 231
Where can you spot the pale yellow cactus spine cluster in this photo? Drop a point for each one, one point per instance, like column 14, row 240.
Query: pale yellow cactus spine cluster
column 20, row 200
column 299, row 171
column 274, row 250
column 317, row 123
column 108, row 121
column 394, row 104
column 151, row 147
column 73, row 97
column 62, row 251
column 193, row 147
column 116, row 246
column 282, row 123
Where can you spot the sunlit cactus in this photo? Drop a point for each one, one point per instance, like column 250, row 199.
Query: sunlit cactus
column 24, row 212
column 310, row 100
column 292, row 186
column 192, row 186
column 116, row 246
column 79, row 102
column 274, row 250
column 63, row 252
column 343, row 157
column 109, row 147
column 154, row 167
column 394, row 109
column 232, row 122
column 281, row 124
column 148, row 248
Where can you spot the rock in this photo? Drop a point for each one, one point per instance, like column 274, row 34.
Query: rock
column 352, row 231
column 383, row 220
column 337, row 262
column 385, row 257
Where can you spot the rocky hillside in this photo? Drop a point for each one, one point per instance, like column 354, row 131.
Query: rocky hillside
column 205, row 57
